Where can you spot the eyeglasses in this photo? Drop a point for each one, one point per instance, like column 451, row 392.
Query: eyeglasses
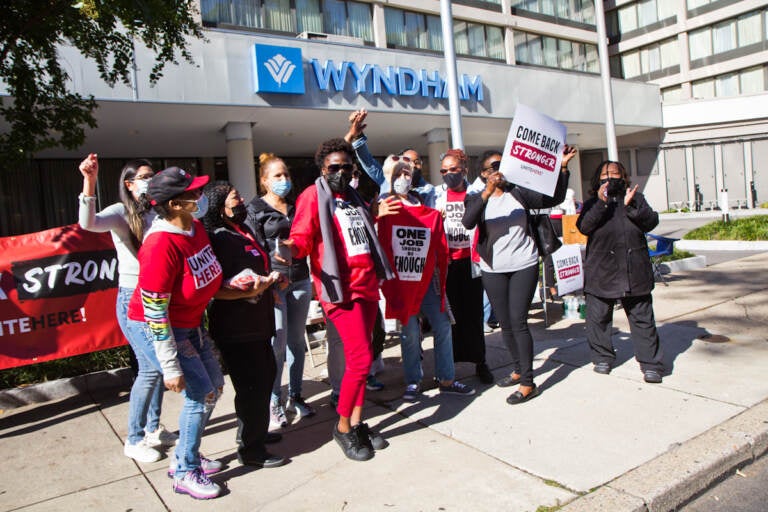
column 451, row 169
column 494, row 166
column 397, row 158
column 334, row 168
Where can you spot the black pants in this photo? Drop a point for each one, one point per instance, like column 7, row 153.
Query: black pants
column 642, row 326
column 252, row 369
column 510, row 294
column 465, row 296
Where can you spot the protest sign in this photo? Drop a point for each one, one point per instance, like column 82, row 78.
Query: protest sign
column 568, row 269
column 58, row 290
column 410, row 247
column 534, row 151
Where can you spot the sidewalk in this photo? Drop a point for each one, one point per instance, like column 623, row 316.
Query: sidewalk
column 589, row 442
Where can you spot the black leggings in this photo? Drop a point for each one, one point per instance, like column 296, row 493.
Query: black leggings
column 510, row 294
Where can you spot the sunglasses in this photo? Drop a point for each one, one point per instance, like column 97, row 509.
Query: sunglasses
column 494, row 166
column 334, row 168
column 451, row 170
column 396, row 158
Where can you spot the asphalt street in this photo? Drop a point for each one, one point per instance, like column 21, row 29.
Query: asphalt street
column 746, row 490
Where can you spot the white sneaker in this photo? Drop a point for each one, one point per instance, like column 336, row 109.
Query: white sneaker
column 197, row 485
column 300, row 407
column 161, row 437
column 141, row 452
column 277, row 417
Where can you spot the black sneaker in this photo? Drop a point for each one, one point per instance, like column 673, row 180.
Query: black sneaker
column 351, row 445
column 265, row 460
column 369, row 437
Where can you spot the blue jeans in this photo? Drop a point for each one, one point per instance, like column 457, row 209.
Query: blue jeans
column 146, row 397
column 203, row 379
column 290, row 321
column 410, row 341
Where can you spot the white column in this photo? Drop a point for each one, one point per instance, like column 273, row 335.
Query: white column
column 240, row 158
column 437, row 144
column 749, row 173
column 509, row 45
column 379, row 26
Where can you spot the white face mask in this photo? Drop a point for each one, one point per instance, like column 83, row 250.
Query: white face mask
column 140, row 187
column 402, row 185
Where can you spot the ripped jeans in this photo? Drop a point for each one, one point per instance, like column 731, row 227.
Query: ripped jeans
column 203, row 380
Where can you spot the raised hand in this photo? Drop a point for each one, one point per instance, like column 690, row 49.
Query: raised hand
column 568, row 153
column 630, row 195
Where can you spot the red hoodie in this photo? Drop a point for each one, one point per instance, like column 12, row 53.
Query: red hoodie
column 414, row 241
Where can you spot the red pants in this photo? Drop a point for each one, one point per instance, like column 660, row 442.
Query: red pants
column 354, row 322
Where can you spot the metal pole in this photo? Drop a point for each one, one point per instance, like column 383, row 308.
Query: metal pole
column 605, row 76
column 457, row 138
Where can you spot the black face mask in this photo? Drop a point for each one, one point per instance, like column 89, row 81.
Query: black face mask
column 616, row 186
column 337, row 181
column 453, row 180
column 239, row 213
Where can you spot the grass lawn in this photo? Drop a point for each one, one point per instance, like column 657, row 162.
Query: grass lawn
column 744, row 228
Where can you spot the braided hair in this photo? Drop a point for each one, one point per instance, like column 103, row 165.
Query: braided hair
column 217, row 193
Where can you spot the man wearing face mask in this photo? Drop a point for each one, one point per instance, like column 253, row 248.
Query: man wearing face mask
column 464, row 291
column 334, row 227
column 617, row 267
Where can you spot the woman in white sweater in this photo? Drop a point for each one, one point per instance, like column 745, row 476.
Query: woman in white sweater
column 126, row 221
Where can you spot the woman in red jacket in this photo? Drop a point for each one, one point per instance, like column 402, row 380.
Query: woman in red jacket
column 334, row 227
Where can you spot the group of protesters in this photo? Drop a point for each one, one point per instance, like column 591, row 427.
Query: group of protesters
column 204, row 274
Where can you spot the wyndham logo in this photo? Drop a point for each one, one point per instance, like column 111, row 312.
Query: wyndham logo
column 278, row 69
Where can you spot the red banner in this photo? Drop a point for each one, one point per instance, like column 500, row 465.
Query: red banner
column 58, row 290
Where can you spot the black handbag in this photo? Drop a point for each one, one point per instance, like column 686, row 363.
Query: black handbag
column 544, row 234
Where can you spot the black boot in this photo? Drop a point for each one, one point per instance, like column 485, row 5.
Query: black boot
column 351, row 445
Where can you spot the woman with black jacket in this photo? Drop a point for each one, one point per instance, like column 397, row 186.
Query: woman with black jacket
column 271, row 216
column 242, row 320
column 510, row 260
column 617, row 267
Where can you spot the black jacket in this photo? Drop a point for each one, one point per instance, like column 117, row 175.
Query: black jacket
column 474, row 211
column 240, row 321
column 271, row 224
column 617, row 262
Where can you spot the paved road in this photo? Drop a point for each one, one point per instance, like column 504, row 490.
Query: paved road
column 745, row 491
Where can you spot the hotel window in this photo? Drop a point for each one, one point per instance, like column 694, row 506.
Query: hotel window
column 651, row 59
column 727, row 36
column 407, row 29
column 746, row 81
column 555, row 53
column 642, row 14
column 342, row 17
column 581, row 11
column 672, row 94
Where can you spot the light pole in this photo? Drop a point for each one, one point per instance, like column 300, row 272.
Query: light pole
column 605, row 76
column 457, row 137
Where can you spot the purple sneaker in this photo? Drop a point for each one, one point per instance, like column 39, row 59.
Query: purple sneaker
column 208, row 466
column 197, row 485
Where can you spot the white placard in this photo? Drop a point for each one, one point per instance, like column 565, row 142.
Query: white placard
column 456, row 234
column 569, row 269
column 410, row 246
column 534, row 151
column 352, row 228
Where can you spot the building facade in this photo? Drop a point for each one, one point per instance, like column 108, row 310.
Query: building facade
column 281, row 76
column 709, row 59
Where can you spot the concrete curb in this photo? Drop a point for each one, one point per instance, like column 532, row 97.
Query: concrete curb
column 674, row 477
column 694, row 263
column 63, row 388
column 721, row 245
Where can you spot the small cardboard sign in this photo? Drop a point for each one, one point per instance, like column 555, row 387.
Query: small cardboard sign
column 569, row 269
column 534, row 151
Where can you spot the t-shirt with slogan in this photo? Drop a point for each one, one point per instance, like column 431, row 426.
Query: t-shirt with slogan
column 414, row 241
column 459, row 238
column 183, row 265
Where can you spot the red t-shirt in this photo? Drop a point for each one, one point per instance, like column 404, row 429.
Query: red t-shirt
column 184, row 266
column 459, row 238
column 356, row 266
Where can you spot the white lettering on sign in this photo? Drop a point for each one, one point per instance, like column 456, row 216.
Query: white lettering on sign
column 352, row 229
column 410, row 246
column 456, row 234
column 205, row 267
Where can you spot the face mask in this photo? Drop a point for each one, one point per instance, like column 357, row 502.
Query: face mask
column 453, row 180
column 239, row 213
column 354, row 182
column 416, row 176
column 280, row 187
column 337, row 181
column 202, row 207
column 616, row 186
column 140, row 187
column 402, row 185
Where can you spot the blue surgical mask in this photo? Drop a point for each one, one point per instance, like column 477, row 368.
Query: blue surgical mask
column 280, row 187
column 202, row 207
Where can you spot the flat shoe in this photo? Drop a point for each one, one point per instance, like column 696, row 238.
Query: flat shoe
column 507, row 381
column 652, row 376
column 517, row 397
column 602, row 368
